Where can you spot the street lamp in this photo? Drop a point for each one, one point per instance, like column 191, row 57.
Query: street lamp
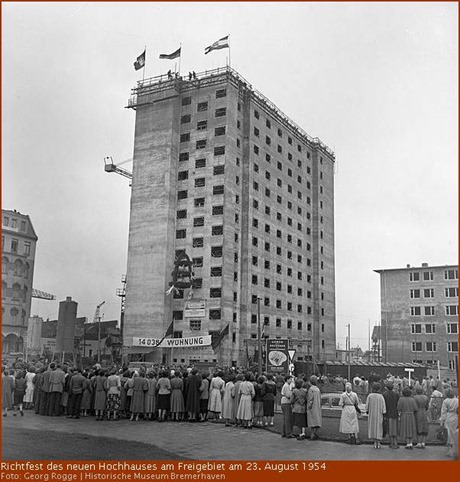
column 259, row 339
column 349, row 352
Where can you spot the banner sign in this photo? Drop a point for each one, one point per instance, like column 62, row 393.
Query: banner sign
column 195, row 309
column 277, row 355
column 173, row 342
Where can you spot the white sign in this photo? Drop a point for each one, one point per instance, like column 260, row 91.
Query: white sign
column 173, row 342
column 195, row 309
column 291, row 354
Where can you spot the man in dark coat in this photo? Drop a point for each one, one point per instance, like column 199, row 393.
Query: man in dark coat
column 45, row 400
column 192, row 390
column 390, row 420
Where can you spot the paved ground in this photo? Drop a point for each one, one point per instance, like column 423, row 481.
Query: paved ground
column 37, row 437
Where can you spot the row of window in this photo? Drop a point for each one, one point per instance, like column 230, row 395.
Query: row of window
column 14, row 246
column 218, row 151
column 429, row 293
column 426, row 310
column 13, row 223
column 430, row 328
column 220, row 93
column 431, row 346
column 428, row 275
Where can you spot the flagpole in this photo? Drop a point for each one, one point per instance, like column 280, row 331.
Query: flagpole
column 180, row 55
column 145, row 59
column 229, row 54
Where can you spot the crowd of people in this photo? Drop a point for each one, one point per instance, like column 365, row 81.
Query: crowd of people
column 395, row 407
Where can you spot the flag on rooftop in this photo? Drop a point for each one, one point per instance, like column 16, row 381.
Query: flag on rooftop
column 172, row 56
column 219, row 44
column 140, row 62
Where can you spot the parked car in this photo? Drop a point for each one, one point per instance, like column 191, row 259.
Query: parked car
column 330, row 405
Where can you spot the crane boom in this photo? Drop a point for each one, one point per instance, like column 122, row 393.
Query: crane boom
column 111, row 167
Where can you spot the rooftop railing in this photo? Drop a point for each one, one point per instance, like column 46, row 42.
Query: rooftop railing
column 177, row 81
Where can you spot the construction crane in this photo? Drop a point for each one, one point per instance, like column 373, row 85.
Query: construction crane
column 42, row 295
column 97, row 319
column 111, row 167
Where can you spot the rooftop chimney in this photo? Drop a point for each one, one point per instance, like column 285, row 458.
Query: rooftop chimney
column 407, row 265
column 424, row 265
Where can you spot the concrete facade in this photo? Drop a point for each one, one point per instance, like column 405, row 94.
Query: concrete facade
column 18, row 260
column 220, row 172
column 419, row 315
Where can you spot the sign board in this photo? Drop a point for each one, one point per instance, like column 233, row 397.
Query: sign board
column 291, row 355
column 195, row 309
column 277, row 355
column 192, row 341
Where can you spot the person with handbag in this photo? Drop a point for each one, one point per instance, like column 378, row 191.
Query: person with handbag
column 349, row 418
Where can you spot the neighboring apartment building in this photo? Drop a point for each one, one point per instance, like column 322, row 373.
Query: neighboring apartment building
column 18, row 257
column 220, row 172
column 419, row 308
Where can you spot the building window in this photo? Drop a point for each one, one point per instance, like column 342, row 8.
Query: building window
column 452, row 310
column 289, row 324
column 429, row 310
column 221, row 112
column 195, row 325
column 217, row 210
column 197, row 262
column 182, row 175
column 428, row 276
column 202, row 125
column 217, row 230
column 26, row 248
column 430, row 328
column 201, row 144
column 14, row 245
column 202, row 107
column 278, row 323
column 452, row 346
column 416, row 346
column 198, row 221
column 268, row 158
column 219, row 150
column 181, row 233
column 452, row 328
column 186, row 100
column 415, row 294
column 185, row 119
column 254, row 279
column 200, row 182
column 451, row 292
column 197, row 242
column 218, row 170
column 218, row 190
column 215, row 292
column 256, row 149
column 185, row 137
column 428, row 293
column 416, row 328
column 216, row 251
column 197, row 283
column 219, row 131
column 256, row 114
column 221, row 93
column 199, row 202
column 256, row 132
column 451, row 274
column 278, row 304
column 415, row 311
column 214, row 314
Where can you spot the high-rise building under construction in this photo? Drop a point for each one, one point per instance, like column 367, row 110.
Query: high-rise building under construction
column 221, row 173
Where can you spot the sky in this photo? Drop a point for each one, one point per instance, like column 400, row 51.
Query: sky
column 376, row 82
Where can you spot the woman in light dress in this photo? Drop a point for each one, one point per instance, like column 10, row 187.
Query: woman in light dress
column 229, row 400
column 349, row 417
column 376, row 408
column 29, row 396
column 449, row 419
column 216, row 390
column 247, row 393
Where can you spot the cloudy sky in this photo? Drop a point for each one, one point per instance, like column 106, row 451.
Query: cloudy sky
column 377, row 82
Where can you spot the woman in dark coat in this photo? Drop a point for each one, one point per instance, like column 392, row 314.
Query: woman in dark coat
column 269, row 400
column 421, row 417
column 407, row 408
column 100, row 394
column 193, row 395
column 140, row 386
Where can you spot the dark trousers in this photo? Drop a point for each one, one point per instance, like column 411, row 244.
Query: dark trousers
column 45, row 403
column 37, row 400
column 74, row 404
column 287, row 418
column 55, row 403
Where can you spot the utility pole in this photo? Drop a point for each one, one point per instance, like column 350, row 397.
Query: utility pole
column 97, row 318
column 349, row 353
column 259, row 339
